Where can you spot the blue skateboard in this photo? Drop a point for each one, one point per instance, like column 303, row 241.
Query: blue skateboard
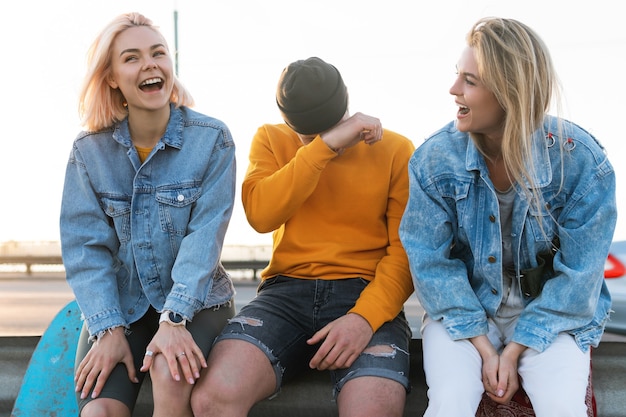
column 48, row 385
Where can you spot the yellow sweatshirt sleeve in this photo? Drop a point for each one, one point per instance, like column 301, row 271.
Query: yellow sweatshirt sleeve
column 384, row 297
column 277, row 182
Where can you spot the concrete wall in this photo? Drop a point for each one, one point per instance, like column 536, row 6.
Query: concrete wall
column 311, row 395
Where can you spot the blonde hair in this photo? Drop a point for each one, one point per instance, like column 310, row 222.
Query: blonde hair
column 515, row 65
column 101, row 106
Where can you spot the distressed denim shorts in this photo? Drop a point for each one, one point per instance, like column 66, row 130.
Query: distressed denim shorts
column 288, row 311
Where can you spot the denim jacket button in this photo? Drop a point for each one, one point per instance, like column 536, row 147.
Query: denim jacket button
column 492, row 259
column 494, row 291
column 492, row 218
column 180, row 197
column 131, row 311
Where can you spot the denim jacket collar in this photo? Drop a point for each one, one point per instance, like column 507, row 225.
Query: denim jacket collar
column 173, row 134
column 475, row 161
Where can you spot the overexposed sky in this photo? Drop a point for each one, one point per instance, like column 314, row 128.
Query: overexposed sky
column 397, row 58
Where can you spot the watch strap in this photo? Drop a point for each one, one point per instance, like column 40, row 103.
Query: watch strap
column 172, row 318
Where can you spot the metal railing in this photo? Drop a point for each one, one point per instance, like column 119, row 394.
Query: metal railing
column 253, row 265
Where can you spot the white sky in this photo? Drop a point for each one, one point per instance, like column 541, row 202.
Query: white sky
column 396, row 56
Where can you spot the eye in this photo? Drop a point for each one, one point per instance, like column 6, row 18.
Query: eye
column 159, row 52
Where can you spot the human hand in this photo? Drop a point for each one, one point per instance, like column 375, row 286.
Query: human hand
column 180, row 351
column 96, row 367
column 508, row 379
column 507, row 382
column 343, row 341
column 359, row 127
column 490, row 363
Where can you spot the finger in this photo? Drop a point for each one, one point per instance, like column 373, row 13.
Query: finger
column 79, row 371
column 147, row 361
column 326, row 360
column 100, row 381
column 321, row 353
column 80, row 379
column 319, row 336
column 317, row 361
column 172, row 364
column 185, row 366
column 199, row 361
column 492, row 383
column 85, row 366
column 496, row 399
column 373, row 136
column 87, row 382
column 345, row 360
column 130, row 368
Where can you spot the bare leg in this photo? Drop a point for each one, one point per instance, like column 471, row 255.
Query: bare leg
column 371, row 396
column 171, row 398
column 105, row 407
column 238, row 376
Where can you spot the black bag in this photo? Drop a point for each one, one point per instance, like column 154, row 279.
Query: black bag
column 532, row 280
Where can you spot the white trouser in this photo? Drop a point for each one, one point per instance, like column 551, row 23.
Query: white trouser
column 555, row 380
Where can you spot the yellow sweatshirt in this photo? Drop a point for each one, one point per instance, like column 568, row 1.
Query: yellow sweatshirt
column 333, row 216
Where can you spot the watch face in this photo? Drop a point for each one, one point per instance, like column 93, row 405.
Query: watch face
column 175, row 317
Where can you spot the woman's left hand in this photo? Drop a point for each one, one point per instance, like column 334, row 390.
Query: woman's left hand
column 180, row 351
column 508, row 378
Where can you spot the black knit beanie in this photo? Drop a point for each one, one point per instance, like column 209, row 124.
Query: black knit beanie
column 311, row 96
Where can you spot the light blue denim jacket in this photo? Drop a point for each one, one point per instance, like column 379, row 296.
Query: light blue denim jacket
column 135, row 235
column 451, row 233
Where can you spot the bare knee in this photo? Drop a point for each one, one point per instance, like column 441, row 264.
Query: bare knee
column 237, row 377
column 160, row 371
column 372, row 396
column 105, row 407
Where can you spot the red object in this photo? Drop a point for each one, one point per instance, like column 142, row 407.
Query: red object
column 520, row 405
column 616, row 268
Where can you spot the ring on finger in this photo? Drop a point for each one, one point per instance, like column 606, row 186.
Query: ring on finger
column 149, row 353
column 180, row 354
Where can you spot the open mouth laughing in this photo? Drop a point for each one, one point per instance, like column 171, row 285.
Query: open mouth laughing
column 151, row 84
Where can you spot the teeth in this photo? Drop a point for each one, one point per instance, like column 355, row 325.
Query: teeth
column 151, row 81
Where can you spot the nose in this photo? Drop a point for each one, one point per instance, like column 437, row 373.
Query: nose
column 150, row 64
column 454, row 88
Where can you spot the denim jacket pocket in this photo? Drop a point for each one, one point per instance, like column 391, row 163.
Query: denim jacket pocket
column 175, row 203
column 118, row 210
column 542, row 222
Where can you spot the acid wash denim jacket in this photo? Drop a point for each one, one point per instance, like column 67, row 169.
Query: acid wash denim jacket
column 451, row 233
column 135, row 235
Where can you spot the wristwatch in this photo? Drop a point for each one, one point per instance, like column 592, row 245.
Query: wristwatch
column 172, row 318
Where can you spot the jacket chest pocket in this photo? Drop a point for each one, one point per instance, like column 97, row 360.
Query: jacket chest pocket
column 543, row 222
column 175, row 205
column 118, row 210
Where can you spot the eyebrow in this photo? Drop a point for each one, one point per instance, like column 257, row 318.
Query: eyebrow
column 136, row 50
column 469, row 74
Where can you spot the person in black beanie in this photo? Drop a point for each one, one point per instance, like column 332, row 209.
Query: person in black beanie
column 332, row 188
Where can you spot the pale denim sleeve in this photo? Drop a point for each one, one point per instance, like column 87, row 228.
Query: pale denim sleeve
column 87, row 242
column 576, row 299
column 196, row 272
column 427, row 234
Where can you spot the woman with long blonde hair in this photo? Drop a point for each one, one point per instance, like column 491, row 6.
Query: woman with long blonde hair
column 510, row 217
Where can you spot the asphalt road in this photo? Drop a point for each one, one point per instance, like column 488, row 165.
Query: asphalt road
column 28, row 303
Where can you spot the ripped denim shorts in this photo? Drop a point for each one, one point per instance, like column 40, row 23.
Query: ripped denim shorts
column 287, row 311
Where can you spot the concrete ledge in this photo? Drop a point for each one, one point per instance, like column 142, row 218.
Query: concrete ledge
column 311, row 394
